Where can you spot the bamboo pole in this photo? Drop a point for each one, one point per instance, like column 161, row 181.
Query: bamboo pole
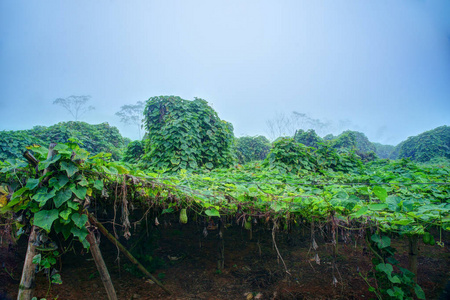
column 26, row 286
column 110, row 237
column 101, row 266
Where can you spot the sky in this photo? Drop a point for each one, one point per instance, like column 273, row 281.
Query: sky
column 382, row 67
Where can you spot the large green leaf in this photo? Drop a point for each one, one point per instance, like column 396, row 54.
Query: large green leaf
column 42, row 196
column 380, row 192
column 381, row 241
column 98, row 185
column 45, row 218
column 212, row 212
column 69, row 167
column 361, row 212
column 378, row 206
column 32, row 183
column 79, row 220
column 79, row 191
column 61, row 197
column 81, row 233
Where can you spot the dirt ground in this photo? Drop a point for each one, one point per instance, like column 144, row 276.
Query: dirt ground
column 188, row 267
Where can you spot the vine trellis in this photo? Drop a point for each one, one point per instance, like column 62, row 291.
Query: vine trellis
column 56, row 188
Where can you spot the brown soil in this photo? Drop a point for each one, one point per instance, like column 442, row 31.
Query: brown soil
column 252, row 268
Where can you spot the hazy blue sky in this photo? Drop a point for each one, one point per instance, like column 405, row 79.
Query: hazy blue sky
column 382, row 65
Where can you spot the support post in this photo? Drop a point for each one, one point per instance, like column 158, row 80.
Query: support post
column 220, row 248
column 413, row 254
column 26, row 286
column 110, row 237
column 101, row 266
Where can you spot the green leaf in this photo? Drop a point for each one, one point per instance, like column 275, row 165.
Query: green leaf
column 81, row 233
column 69, row 167
column 380, row 192
column 32, row 183
column 80, row 192
column 419, row 292
column 46, row 163
column 386, row 268
column 37, row 259
column 381, row 241
column 175, row 161
column 45, row 218
column 61, row 197
column 393, row 202
column 65, row 214
column 79, row 220
column 42, row 196
column 378, row 206
column 361, row 212
column 209, row 165
column 98, row 185
column 212, row 213
column 56, row 279
column 72, row 204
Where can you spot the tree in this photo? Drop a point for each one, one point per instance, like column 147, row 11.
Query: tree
column 287, row 125
column 132, row 114
column 75, row 105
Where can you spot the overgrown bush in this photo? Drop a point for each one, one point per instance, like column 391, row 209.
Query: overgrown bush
column 290, row 156
column 383, row 151
column 134, row 152
column 93, row 138
column 308, row 138
column 186, row 134
column 251, row 148
column 426, row 146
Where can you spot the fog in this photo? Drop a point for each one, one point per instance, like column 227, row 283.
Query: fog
column 380, row 67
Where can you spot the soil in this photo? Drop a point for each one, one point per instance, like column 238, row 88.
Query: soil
column 252, row 270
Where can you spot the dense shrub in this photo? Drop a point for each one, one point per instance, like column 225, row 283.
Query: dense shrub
column 290, row 156
column 353, row 140
column 251, row 148
column 383, row 151
column 426, row 146
column 186, row 134
column 93, row 138
column 134, row 152
column 308, row 138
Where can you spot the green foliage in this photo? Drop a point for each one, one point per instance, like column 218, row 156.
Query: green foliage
column 134, row 152
column 383, row 151
column 426, row 146
column 353, row 140
column 308, row 138
column 93, row 138
column 14, row 143
column 252, row 148
column 186, row 134
column 391, row 284
column 290, row 156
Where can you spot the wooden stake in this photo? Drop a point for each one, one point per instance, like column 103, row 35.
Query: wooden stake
column 220, row 248
column 110, row 237
column 26, row 286
column 413, row 254
column 101, row 266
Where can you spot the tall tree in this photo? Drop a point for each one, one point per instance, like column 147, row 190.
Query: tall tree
column 132, row 114
column 75, row 105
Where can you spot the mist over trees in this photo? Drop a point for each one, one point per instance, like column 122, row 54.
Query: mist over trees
column 132, row 114
column 189, row 134
column 76, row 106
